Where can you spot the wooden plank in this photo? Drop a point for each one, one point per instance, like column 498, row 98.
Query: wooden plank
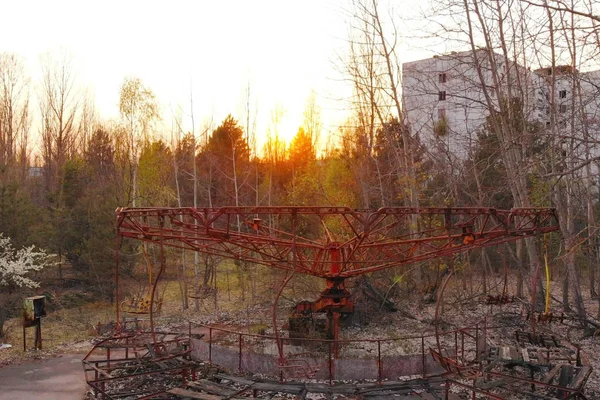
column 581, row 377
column 193, row 395
column 386, row 394
column 584, row 359
column 566, row 376
column 529, row 394
column 492, row 384
column 551, row 374
column 525, row 354
column 264, row 385
column 397, row 389
column 236, row 379
column 154, row 355
column 323, row 388
column 491, row 366
column 239, row 392
column 100, row 371
column 277, row 387
column 211, row 387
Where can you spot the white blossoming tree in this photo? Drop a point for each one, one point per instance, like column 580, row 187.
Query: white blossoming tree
column 15, row 267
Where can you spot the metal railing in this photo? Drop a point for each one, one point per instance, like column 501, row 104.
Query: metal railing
column 359, row 359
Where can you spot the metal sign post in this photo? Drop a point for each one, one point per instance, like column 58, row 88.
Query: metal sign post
column 34, row 308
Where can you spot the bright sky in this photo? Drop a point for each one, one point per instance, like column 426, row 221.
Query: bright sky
column 285, row 50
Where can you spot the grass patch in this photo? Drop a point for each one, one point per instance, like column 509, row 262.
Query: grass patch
column 72, row 312
column 61, row 329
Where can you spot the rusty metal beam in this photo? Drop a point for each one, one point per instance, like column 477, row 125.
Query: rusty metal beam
column 367, row 240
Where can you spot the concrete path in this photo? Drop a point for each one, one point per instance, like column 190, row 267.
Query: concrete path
column 59, row 378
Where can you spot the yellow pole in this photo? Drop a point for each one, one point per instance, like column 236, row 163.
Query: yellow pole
column 547, row 276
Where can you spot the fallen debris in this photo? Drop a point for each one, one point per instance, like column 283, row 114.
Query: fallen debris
column 133, row 366
column 535, row 365
column 225, row 386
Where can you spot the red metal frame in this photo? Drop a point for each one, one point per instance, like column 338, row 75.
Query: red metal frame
column 340, row 243
column 351, row 243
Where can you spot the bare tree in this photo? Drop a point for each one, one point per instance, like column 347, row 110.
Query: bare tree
column 87, row 122
column 14, row 113
column 60, row 108
column 374, row 69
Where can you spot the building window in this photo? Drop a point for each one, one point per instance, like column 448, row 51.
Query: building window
column 563, row 108
column 442, row 78
column 562, row 94
column 442, row 95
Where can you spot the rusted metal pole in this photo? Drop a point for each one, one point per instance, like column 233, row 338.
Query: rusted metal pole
column 38, row 334
column 336, row 333
column 240, row 355
column 274, row 314
column 423, row 354
column 379, row 360
column 283, row 285
column 476, row 342
column 462, row 344
column 280, row 367
column 330, row 365
column 95, row 379
column 484, row 334
column 210, row 345
column 456, row 344
column 439, row 301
